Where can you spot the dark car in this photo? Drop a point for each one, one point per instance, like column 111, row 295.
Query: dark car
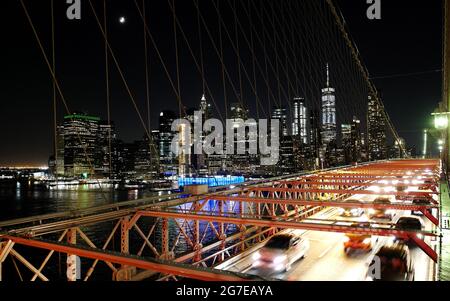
column 401, row 187
column 392, row 263
column 381, row 213
column 409, row 223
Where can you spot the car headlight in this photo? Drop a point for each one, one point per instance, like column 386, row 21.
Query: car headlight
column 280, row 259
column 256, row 256
column 367, row 241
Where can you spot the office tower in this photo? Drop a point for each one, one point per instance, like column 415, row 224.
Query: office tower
column 300, row 120
column 329, row 127
column 352, row 141
column 281, row 115
column 316, row 134
column 80, row 144
column 396, row 150
column 205, row 108
column 167, row 158
column 357, row 140
column 286, row 163
column 104, row 156
column 59, row 159
column 242, row 163
column 376, row 129
column 146, row 159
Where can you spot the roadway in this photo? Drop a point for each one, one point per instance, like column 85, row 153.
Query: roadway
column 326, row 259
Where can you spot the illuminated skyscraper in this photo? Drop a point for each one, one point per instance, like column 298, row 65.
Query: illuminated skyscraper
column 167, row 157
column 329, row 128
column 81, row 134
column 205, row 108
column 352, row 141
column 376, row 128
column 299, row 126
column 281, row 115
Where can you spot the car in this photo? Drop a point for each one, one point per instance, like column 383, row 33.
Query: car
column 280, row 252
column 385, row 214
column 357, row 242
column 401, row 187
column 352, row 211
column 409, row 223
column 391, row 263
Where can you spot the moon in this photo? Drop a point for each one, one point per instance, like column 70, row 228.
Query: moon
column 122, row 20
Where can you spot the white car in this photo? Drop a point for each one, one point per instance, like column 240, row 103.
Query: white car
column 280, row 252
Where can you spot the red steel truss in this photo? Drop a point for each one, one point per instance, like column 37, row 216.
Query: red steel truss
column 215, row 227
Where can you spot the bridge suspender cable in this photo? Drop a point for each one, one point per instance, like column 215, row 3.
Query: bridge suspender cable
column 364, row 71
column 108, row 99
column 58, row 88
column 55, row 107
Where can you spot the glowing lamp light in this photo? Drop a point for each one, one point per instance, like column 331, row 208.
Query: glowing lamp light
column 441, row 121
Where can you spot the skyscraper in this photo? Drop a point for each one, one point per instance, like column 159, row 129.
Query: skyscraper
column 200, row 161
column 281, row 115
column 299, row 125
column 80, row 144
column 242, row 163
column 146, row 160
column 352, row 141
column 205, row 108
column 329, row 127
column 104, row 156
column 166, row 156
column 59, row 158
column 315, row 138
column 376, row 128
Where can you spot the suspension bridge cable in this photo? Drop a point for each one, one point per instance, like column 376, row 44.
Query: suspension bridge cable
column 364, row 71
column 122, row 76
column 58, row 88
column 147, row 67
column 196, row 62
column 222, row 62
column 202, row 64
column 108, row 98
column 55, row 113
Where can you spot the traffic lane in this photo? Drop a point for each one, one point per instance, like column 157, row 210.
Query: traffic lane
column 327, row 261
column 244, row 265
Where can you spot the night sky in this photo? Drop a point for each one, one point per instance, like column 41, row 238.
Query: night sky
column 407, row 40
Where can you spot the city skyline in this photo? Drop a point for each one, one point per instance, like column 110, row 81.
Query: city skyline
column 126, row 119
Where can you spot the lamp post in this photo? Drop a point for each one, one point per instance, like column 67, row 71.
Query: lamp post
column 441, row 123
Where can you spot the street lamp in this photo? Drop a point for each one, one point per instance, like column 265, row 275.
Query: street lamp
column 441, row 120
